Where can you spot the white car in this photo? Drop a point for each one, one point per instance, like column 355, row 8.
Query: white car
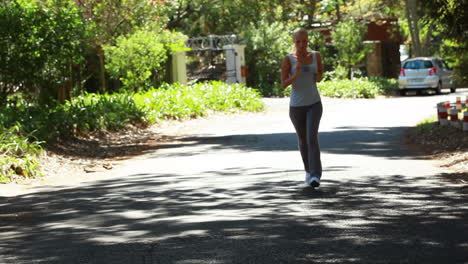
column 424, row 73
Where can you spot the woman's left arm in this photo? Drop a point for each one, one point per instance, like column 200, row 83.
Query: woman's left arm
column 319, row 74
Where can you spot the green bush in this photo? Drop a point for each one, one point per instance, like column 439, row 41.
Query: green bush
column 455, row 54
column 386, row 85
column 138, row 58
column 20, row 144
column 134, row 58
column 93, row 112
column 83, row 114
column 186, row 101
column 357, row 88
column 18, row 153
column 348, row 40
column 266, row 45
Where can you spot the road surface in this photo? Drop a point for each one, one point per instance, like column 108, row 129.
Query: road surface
column 230, row 189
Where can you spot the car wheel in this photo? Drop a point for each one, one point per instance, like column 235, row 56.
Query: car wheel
column 453, row 90
column 402, row 92
column 438, row 90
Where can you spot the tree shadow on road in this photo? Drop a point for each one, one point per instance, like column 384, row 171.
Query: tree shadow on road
column 386, row 142
column 152, row 218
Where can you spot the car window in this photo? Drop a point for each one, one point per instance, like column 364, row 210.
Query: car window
column 439, row 64
column 418, row 64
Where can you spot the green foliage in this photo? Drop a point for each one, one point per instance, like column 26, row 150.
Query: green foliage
column 357, row 88
column 18, row 153
column 266, row 45
column 142, row 56
column 373, row 9
column 83, row 114
column 41, row 43
column 339, row 73
column 92, row 112
column 426, row 125
column 455, row 53
column 449, row 16
column 347, row 38
column 317, row 42
column 187, row 101
column 385, row 85
column 134, row 58
column 105, row 21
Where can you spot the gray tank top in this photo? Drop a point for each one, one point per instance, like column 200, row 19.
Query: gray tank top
column 304, row 89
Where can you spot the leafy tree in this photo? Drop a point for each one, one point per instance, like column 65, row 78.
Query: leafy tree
column 449, row 18
column 42, row 42
column 412, row 17
column 203, row 17
column 332, row 6
column 267, row 44
column 347, row 38
column 372, row 9
column 107, row 20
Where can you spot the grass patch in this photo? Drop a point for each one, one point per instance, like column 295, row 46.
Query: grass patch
column 427, row 125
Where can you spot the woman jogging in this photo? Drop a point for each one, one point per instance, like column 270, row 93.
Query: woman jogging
column 302, row 69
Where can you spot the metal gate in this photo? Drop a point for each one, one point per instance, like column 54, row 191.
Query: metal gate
column 213, row 58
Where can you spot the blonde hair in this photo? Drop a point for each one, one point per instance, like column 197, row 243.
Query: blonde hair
column 296, row 33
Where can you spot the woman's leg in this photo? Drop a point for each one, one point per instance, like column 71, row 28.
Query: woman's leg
column 314, row 114
column 298, row 117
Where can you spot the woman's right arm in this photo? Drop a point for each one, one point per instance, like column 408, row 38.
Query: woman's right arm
column 286, row 78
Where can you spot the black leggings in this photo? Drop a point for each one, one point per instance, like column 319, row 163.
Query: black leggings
column 306, row 120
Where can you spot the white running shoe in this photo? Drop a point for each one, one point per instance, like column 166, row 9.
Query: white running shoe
column 307, row 178
column 314, row 181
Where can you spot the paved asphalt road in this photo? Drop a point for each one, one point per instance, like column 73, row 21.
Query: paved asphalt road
column 230, row 190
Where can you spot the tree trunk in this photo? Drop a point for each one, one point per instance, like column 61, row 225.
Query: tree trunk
column 427, row 42
column 412, row 17
column 102, row 70
column 338, row 13
column 311, row 8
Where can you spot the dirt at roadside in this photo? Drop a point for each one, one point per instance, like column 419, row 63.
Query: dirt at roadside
column 96, row 153
column 84, row 157
column 447, row 145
